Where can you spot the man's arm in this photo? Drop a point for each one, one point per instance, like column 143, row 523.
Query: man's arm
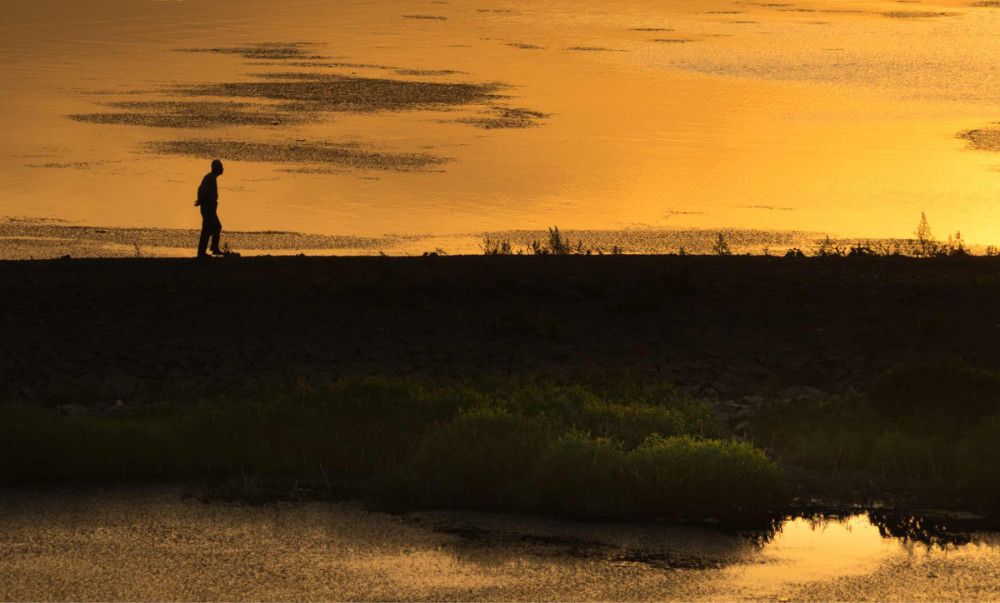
column 208, row 193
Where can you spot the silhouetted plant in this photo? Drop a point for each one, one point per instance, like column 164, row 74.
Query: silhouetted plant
column 721, row 246
column 830, row 248
column 862, row 251
column 794, row 252
column 926, row 246
column 888, row 249
column 955, row 246
column 557, row 244
column 496, row 246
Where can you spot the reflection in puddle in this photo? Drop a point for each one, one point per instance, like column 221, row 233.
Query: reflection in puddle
column 807, row 550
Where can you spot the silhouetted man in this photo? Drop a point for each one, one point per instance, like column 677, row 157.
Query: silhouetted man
column 208, row 200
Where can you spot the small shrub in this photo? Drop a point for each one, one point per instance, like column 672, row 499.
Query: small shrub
column 862, row 251
column 482, row 457
column 955, row 246
column 557, row 244
column 977, row 460
column 496, row 246
column 721, row 246
column 925, row 246
column 581, row 476
column 829, row 248
column 670, row 476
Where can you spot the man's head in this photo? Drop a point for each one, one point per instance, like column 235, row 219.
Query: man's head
column 217, row 167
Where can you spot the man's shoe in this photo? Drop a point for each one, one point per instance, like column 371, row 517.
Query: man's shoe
column 217, row 252
column 202, row 256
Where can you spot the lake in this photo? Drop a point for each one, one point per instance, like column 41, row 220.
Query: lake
column 451, row 118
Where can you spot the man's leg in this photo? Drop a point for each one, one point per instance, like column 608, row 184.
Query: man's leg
column 216, row 233
column 206, row 231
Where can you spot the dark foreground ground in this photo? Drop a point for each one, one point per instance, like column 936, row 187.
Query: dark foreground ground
column 99, row 331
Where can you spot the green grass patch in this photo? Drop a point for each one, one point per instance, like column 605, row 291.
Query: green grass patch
column 601, row 449
column 926, row 430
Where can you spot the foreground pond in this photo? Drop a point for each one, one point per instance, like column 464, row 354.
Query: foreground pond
column 152, row 543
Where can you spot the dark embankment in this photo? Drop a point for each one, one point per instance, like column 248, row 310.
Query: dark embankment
column 89, row 331
column 179, row 368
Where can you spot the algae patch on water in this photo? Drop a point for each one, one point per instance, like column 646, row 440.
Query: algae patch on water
column 916, row 14
column 332, row 92
column 289, row 97
column 595, row 49
column 264, row 50
column 345, row 155
column 982, row 139
column 505, row 117
column 193, row 114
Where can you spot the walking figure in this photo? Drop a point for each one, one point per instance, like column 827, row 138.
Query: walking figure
column 208, row 200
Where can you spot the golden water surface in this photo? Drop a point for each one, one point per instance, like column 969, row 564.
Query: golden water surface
column 137, row 543
column 336, row 116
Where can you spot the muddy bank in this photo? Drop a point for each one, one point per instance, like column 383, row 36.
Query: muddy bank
column 729, row 329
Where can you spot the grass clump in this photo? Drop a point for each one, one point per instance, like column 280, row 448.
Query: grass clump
column 673, row 475
column 925, row 429
column 478, row 458
column 936, row 395
column 497, row 246
column 606, row 448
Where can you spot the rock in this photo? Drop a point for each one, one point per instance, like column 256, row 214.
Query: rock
column 804, row 392
column 723, row 388
column 753, row 373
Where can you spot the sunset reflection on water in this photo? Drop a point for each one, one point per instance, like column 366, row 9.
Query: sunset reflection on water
column 836, row 117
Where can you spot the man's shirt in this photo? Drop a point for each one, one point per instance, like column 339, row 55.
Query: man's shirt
column 208, row 192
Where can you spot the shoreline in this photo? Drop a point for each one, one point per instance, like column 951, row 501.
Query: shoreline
column 27, row 239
